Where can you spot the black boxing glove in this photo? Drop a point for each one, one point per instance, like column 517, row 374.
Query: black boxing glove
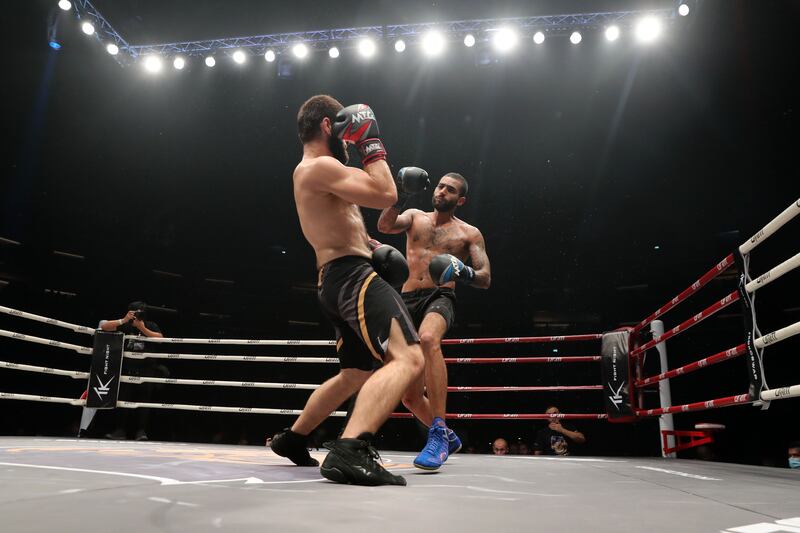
column 410, row 181
column 389, row 263
column 356, row 124
column 445, row 268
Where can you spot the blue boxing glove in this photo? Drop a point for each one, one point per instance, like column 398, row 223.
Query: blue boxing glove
column 445, row 268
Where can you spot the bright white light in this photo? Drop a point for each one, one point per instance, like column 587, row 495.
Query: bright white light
column 683, row 10
column 152, row 64
column 300, row 50
column 66, row 5
column 538, row 37
column 333, row 52
column 210, row 61
column 239, row 57
column 179, row 63
column 269, row 56
column 469, row 40
column 366, row 47
column 612, row 33
column 112, row 49
column 575, row 38
column 648, row 29
column 433, row 43
column 87, row 28
column 400, row 45
column 504, row 39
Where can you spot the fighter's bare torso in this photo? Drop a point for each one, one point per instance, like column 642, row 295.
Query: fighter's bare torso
column 425, row 240
column 333, row 226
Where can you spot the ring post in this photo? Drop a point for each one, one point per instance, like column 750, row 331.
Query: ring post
column 666, row 424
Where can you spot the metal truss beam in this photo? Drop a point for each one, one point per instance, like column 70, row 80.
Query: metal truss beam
column 347, row 37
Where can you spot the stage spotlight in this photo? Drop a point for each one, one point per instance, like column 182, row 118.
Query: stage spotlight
column 112, row 49
column 433, row 43
column 333, row 52
column 683, row 10
column 66, row 5
column 612, row 33
column 239, row 57
column 269, row 56
column 210, row 61
column 366, row 47
column 400, row 45
column 179, row 63
column 575, row 38
column 648, row 29
column 504, row 39
column 54, row 45
column 469, row 40
column 300, row 50
column 153, row 64
column 87, row 28
column 538, row 37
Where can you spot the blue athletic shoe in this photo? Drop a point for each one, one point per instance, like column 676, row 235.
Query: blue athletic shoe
column 434, row 454
column 454, row 442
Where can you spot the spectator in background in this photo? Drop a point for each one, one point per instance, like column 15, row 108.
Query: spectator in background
column 556, row 438
column 794, row 454
column 134, row 324
column 500, row 447
column 524, row 449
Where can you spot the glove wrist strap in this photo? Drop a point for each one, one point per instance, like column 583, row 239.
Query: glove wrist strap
column 371, row 150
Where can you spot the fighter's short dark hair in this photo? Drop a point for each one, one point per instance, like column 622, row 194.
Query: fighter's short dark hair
column 460, row 178
column 311, row 114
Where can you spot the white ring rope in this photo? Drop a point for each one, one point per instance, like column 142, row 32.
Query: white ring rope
column 216, row 357
column 138, row 380
column 777, row 336
column 49, row 342
column 765, row 279
column 74, row 374
column 51, row 321
column 780, row 393
column 178, row 406
column 788, row 214
column 248, row 342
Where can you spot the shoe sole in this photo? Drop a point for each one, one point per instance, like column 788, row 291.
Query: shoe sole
column 335, row 475
column 428, row 468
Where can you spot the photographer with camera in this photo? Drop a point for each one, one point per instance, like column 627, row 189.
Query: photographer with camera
column 134, row 324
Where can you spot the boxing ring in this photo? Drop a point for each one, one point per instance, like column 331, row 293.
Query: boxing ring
column 86, row 484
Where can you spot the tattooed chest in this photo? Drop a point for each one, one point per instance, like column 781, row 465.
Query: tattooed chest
column 441, row 240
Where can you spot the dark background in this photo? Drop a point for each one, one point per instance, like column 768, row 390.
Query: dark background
column 581, row 161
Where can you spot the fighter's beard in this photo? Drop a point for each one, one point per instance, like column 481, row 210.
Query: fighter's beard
column 337, row 148
column 443, row 206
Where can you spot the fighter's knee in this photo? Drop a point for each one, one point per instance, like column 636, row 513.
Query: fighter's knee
column 429, row 341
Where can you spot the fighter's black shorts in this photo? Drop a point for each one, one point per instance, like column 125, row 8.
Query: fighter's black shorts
column 361, row 306
column 440, row 300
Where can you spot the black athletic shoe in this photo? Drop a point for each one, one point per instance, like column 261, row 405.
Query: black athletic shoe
column 356, row 462
column 292, row 445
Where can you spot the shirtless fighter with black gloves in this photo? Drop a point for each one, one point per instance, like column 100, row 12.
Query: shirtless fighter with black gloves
column 437, row 245
column 369, row 317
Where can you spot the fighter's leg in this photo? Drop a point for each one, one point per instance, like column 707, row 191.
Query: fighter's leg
column 382, row 391
column 431, row 331
column 328, row 397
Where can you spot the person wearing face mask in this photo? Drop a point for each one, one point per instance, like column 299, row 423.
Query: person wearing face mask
column 794, row 454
